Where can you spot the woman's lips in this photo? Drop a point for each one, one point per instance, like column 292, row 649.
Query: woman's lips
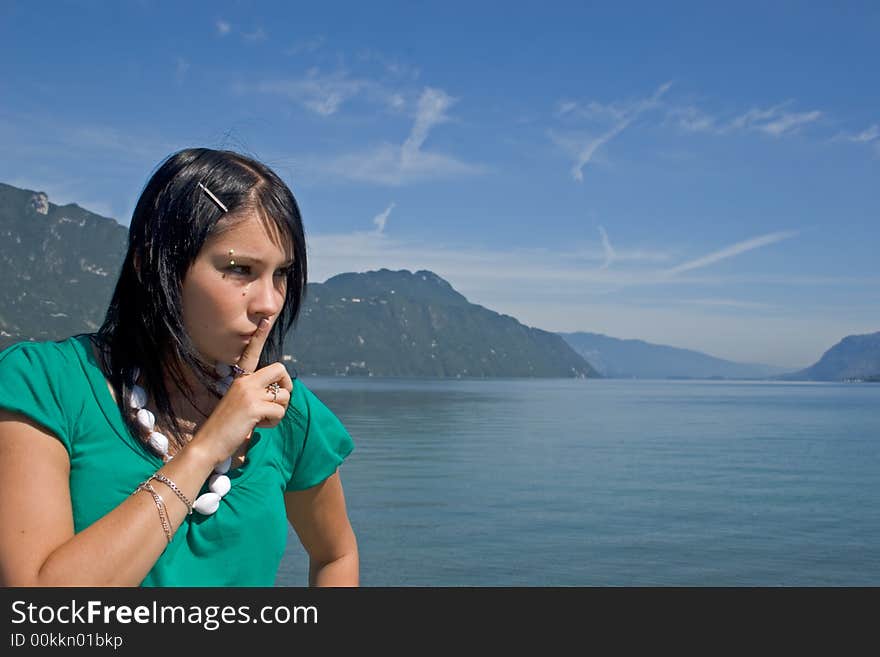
column 247, row 336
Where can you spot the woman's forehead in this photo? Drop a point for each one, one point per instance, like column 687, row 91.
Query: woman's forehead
column 252, row 235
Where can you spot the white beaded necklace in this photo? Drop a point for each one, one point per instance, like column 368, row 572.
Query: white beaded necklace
column 218, row 483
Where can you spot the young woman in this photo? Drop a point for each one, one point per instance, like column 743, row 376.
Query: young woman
column 171, row 448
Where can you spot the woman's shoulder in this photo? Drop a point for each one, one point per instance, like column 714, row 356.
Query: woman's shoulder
column 45, row 354
column 38, row 379
column 325, row 442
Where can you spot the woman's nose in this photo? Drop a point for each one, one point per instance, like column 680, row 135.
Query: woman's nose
column 266, row 298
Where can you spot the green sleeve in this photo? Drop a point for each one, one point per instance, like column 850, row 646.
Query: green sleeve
column 325, row 445
column 30, row 384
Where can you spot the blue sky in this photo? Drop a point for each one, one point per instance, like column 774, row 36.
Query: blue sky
column 699, row 176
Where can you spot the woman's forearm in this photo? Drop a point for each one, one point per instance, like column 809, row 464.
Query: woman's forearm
column 120, row 548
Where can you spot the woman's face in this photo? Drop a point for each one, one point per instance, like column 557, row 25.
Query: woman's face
column 238, row 277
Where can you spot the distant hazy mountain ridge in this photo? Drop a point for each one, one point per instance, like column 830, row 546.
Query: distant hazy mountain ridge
column 616, row 358
column 854, row 357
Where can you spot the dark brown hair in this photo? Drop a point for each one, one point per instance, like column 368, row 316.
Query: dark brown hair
column 173, row 219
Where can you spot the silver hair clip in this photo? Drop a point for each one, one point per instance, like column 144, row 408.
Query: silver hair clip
column 213, row 198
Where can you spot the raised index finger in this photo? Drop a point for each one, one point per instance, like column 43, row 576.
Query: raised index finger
column 250, row 357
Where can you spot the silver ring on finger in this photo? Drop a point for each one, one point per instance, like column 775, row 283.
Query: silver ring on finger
column 273, row 388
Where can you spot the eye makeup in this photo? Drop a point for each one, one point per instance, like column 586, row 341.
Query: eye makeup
column 231, row 263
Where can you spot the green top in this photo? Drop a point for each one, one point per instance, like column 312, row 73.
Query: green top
column 61, row 386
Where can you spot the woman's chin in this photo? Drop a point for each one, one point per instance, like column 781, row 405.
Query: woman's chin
column 228, row 355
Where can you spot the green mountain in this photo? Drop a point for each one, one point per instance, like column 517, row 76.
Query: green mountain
column 400, row 323
column 616, row 358
column 60, row 266
column 856, row 357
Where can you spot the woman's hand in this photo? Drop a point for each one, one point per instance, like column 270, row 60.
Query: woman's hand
column 249, row 402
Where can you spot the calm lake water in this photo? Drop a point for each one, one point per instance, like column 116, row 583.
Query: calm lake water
column 569, row 482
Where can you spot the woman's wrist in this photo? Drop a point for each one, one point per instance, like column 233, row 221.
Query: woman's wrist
column 197, row 457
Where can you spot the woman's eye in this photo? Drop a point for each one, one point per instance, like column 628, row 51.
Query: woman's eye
column 245, row 270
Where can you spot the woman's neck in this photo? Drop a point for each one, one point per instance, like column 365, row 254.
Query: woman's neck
column 181, row 405
column 198, row 404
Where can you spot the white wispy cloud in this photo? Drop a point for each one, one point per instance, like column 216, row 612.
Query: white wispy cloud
column 223, row 27
column 775, row 121
column 620, row 114
column 431, row 111
column 381, row 219
column 385, row 165
column 396, row 165
column 731, row 251
column 609, row 250
column 693, row 119
column 869, row 136
column 322, row 94
column 788, row 122
column 565, row 107
column 326, row 93
column 583, row 152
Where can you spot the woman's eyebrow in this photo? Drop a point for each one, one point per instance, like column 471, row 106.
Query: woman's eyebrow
column 243, row 256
